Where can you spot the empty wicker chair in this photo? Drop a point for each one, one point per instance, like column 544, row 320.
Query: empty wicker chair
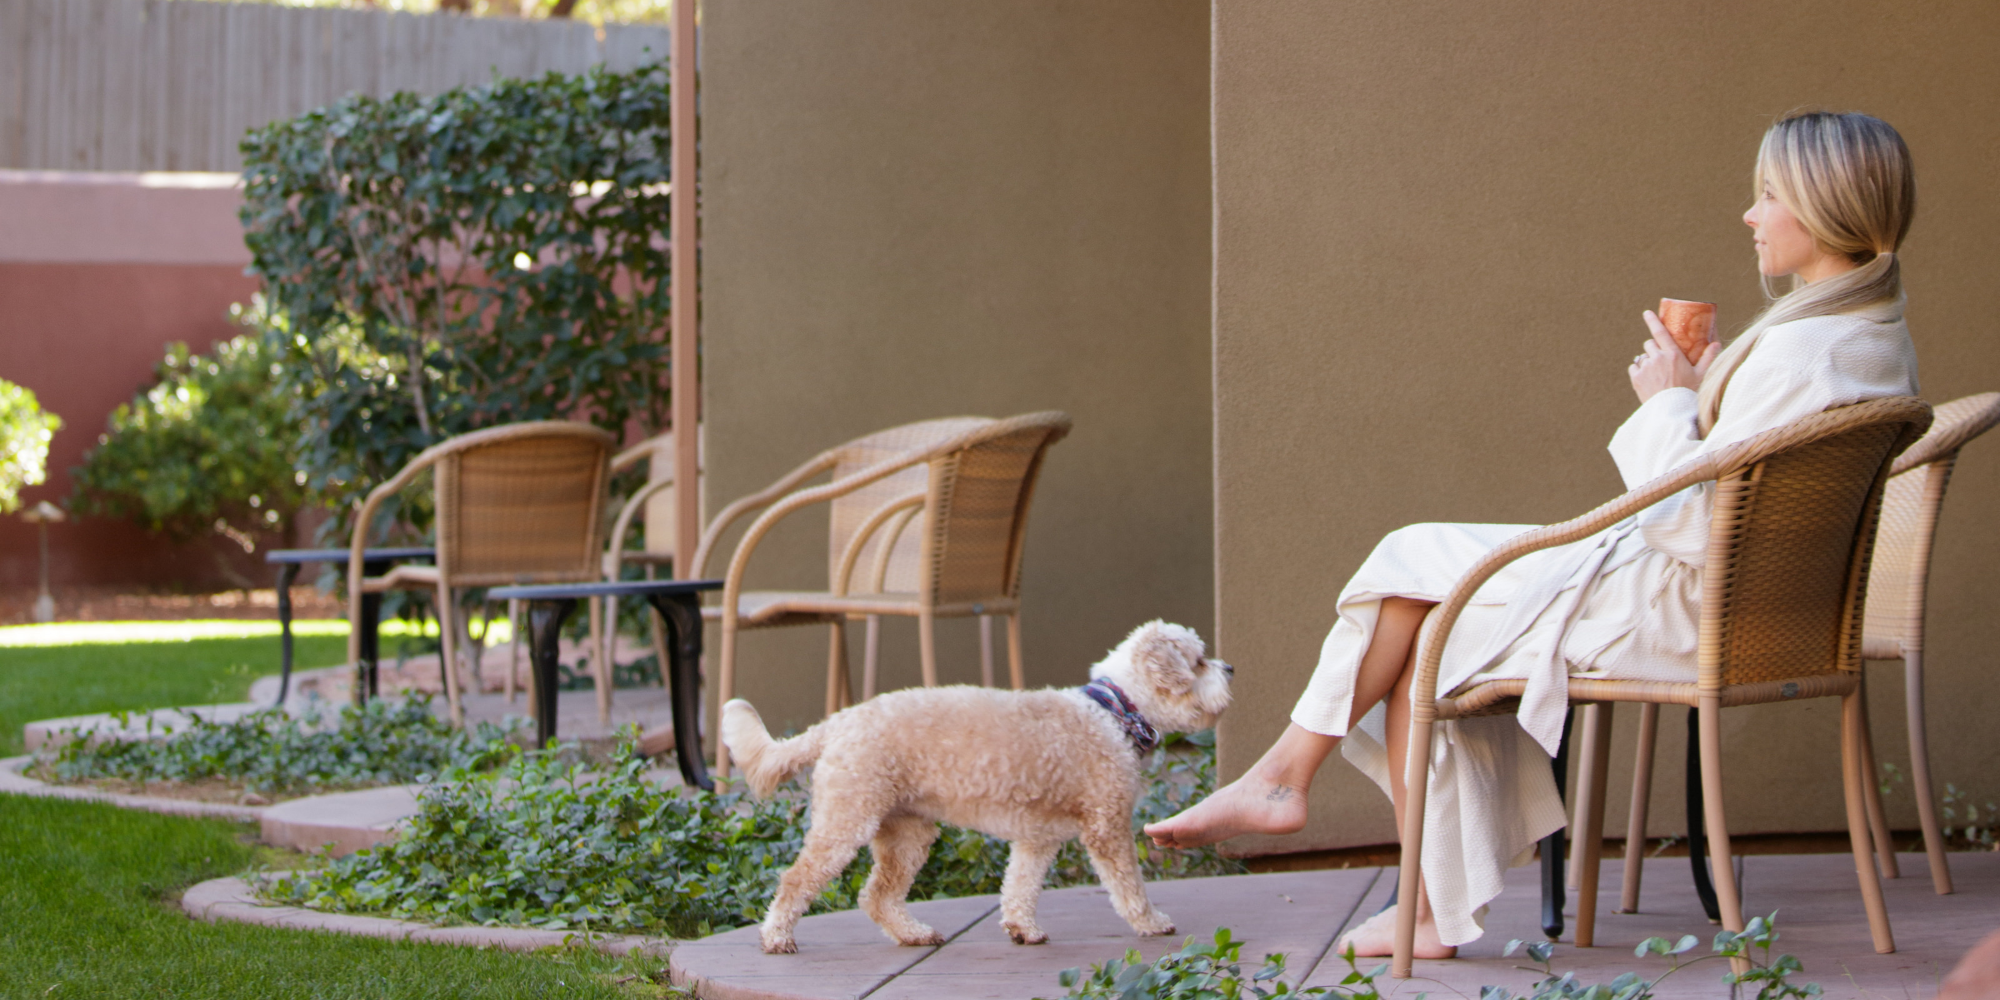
column 968, row 490
column 1893, row 627
column 520, row 503
column 1790, row 537
column 654, row 506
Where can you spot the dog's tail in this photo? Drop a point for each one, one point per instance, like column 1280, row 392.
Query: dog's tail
column 765, row 761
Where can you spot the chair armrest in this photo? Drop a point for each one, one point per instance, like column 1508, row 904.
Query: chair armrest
column 1438, row 624
column 631, row 456
column 613, row 555
column 744, row 505
column 358, row 543
column 867, row 531
column 733, row 582
column 1914, row 413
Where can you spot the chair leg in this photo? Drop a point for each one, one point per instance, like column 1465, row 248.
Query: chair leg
column 1854, row 773
column 837, row 697
column 1597, row 767
column 1920, row 770
column 871, row 651
column 448, row 654
column 1871, row 788
column 986, row 650
column 927, row 641
column 725, row 684
column 1588, row 781
column 1697, row 822
column 1635, row 820
column 600, row 662
column 1723, row 869
column 1410, row 866
column 1014, row 671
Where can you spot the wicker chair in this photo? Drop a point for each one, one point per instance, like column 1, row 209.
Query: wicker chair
column 1787, row 569
column 1892, row 629
column 971, row 479
column 520, row 503
column 654, row 505
column 1893, row 625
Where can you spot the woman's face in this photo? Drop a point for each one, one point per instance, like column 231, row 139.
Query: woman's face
column 1783, row 245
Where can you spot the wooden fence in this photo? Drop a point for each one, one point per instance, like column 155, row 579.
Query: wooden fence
column 174, row 84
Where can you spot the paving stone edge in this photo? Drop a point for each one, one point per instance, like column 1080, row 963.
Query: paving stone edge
column 232, row 899
column 12, row 780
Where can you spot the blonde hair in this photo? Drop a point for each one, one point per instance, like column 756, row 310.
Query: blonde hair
column 1847, row 179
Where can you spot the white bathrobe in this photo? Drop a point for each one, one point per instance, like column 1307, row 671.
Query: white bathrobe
column 1625, row 603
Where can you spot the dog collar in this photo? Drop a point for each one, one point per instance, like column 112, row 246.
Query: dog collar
column 1113, row 699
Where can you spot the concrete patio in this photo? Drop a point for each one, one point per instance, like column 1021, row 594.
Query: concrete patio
column 842, row 956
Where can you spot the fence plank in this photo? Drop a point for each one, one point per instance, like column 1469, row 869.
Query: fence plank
column 173, row 84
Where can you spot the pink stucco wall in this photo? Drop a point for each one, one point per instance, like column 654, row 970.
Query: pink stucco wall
column 99, row 272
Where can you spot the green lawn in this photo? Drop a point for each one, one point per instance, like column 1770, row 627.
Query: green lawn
column 50, row 671
column 88, row 908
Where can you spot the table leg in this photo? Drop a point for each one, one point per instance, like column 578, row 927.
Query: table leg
column 370, row 682
column 1554, row 894
column 682, row 613
column 287, row 572
column 545, row 621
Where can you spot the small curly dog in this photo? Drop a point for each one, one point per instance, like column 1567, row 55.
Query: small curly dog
column 1032, row 767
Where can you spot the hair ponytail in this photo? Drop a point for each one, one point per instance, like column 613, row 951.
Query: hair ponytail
column 1847, row 179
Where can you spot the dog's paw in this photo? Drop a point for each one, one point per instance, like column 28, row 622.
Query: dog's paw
column 1028, row 934
column 779, row 944
column 1153, row 924
column 920, row 937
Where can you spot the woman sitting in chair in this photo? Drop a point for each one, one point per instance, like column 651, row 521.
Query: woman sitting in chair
column 1834, row 197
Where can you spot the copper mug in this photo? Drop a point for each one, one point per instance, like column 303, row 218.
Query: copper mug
column 1691, row 324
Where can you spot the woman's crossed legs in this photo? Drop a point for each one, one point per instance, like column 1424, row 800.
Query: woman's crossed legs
column 1271, row 796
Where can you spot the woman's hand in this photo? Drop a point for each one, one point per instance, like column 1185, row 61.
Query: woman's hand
column 1663, row 366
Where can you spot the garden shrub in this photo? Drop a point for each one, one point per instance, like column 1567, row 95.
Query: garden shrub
column 436, row 265
column 205, row 449
column 1214, row 971
column 554, row 844
column 25, row 430
column 273, row 754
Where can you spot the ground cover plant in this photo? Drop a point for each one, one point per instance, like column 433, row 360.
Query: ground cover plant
column 1214, row 971
column 90, row 892
column 270, row 754
column 49, row 672
column 559, row 845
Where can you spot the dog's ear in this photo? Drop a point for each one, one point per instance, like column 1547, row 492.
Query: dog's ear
column 1163, row 657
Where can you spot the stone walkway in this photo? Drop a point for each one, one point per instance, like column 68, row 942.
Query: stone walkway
column 842, row 956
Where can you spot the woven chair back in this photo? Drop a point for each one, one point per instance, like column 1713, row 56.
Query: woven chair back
column 523, row 504
column 979, row 496
column 661, row 523
column 848, row 514
column 1788, row 551
column 1894, row 620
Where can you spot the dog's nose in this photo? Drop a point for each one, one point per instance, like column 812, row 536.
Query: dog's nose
column 1226, row 668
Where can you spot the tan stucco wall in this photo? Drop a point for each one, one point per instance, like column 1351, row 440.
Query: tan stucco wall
column 1437, row 223
column 923, row 208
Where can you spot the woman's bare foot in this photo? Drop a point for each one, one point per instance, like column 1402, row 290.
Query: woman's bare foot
column 1249, row 804
column 1376, row 938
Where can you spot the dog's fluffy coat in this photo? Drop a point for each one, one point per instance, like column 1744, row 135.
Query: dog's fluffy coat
column 1032, row 767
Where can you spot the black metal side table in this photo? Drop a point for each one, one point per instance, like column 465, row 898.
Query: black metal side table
column 374, row 562
column 679, row 604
